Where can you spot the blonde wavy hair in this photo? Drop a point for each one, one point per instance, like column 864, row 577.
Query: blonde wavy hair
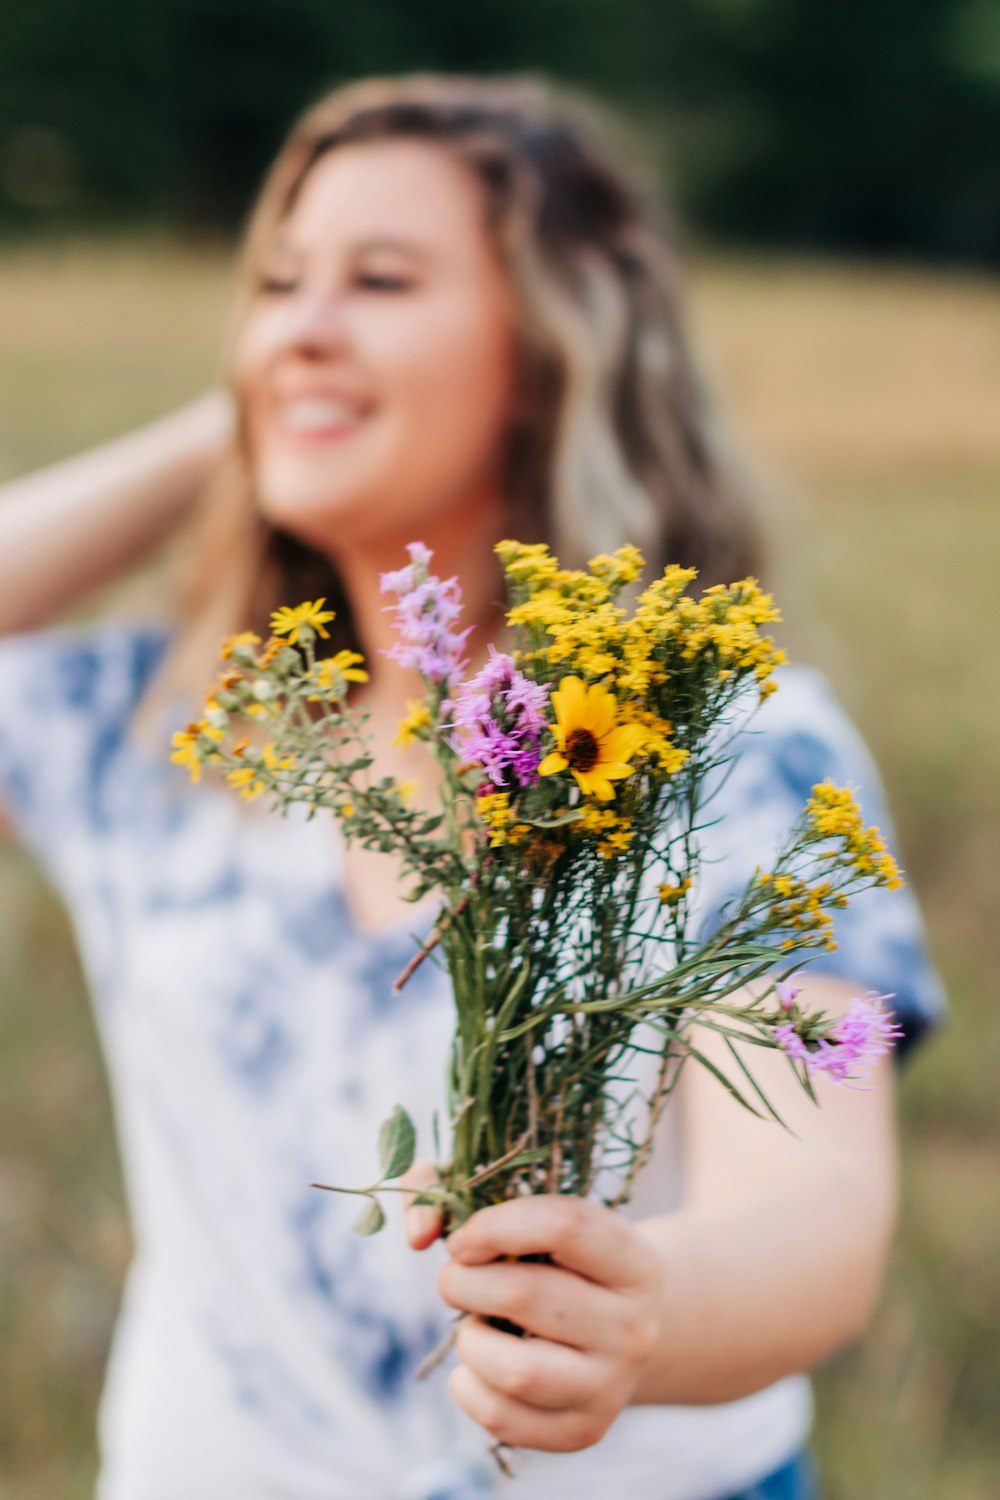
column 625, row 442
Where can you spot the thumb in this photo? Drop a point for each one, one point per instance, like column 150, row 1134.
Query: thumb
column 423, row 1221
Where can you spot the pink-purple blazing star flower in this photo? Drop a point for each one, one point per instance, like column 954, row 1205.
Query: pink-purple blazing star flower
column 866, row 1032
column 501, row 715
column 786, row 993
column 426, row 609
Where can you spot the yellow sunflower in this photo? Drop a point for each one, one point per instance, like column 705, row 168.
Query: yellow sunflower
column 589, row 742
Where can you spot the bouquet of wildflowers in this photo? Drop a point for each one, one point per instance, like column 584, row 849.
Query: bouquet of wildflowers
column 576, row 772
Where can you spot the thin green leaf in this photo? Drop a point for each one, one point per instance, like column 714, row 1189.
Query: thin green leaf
column 727, row 1083
column 756, row 1086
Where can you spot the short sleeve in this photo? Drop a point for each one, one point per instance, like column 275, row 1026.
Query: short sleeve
column 800, row 736
column 66, row 700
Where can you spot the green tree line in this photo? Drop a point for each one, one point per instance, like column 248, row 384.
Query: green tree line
column 869, row 125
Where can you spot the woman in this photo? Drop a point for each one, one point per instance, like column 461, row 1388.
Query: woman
column 457, row 322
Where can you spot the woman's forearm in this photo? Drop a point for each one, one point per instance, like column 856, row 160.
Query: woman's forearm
column 69, row 528
column 766, row 1283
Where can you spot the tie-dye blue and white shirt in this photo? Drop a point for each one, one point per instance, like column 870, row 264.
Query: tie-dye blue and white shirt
column 253, row 1043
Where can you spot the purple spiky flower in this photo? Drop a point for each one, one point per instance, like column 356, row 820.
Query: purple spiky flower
column 500, row 716
column 865, row 1033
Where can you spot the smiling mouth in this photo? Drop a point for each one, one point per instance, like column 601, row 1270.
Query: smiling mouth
column 315, row 418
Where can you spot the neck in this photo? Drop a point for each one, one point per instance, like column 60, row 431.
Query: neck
column 462, row 548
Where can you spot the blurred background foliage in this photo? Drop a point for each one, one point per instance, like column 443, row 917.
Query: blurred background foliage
column 865, row 384
column 869, row 125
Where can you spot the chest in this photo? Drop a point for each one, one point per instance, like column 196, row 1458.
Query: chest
column 372, row 890
column 226, row 943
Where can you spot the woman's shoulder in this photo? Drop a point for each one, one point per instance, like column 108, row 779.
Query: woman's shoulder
column 79, row 668
column 773, row 753
column 802, row 731
column 67, row 696
column 800, row 736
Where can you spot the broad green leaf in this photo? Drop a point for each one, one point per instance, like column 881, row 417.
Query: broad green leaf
column 397, row 1144
column 370, row 1219
column 559, row 821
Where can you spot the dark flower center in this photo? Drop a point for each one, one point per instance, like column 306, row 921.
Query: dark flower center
column 582, row 750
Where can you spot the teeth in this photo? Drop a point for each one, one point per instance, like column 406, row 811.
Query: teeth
column 317, row 413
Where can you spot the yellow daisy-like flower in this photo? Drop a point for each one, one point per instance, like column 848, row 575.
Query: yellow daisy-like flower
column 231, row 643
column 670, row 894
column 185, row 742
column 616, row 842
column 588, row 740
column 270, row 651
column 275, row 762
column 333, row 672
column 250, row 780
column 215, row 718
column 418, row 716
column 349, row 663
column 289, row 620
column 246, row 782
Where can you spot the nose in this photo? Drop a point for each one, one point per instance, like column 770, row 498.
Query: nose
column 317, row 326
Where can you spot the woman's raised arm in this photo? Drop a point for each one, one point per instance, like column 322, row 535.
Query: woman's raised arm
column 69, row 528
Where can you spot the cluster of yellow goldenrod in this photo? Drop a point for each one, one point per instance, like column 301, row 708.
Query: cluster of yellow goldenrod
column 613, row 830
column 808, row 881
column 796, row 903
column 833, row 813
column 722, row 628
column 658, row 746
column 584, row 626
column 500, row 821
column 571, row 616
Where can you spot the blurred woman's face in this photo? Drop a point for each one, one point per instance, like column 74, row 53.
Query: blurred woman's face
column 376, row 364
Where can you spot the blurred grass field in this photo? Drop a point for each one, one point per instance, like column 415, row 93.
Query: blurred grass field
column 870, row 398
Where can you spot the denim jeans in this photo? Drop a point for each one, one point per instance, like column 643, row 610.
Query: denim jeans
column 795, row 1480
